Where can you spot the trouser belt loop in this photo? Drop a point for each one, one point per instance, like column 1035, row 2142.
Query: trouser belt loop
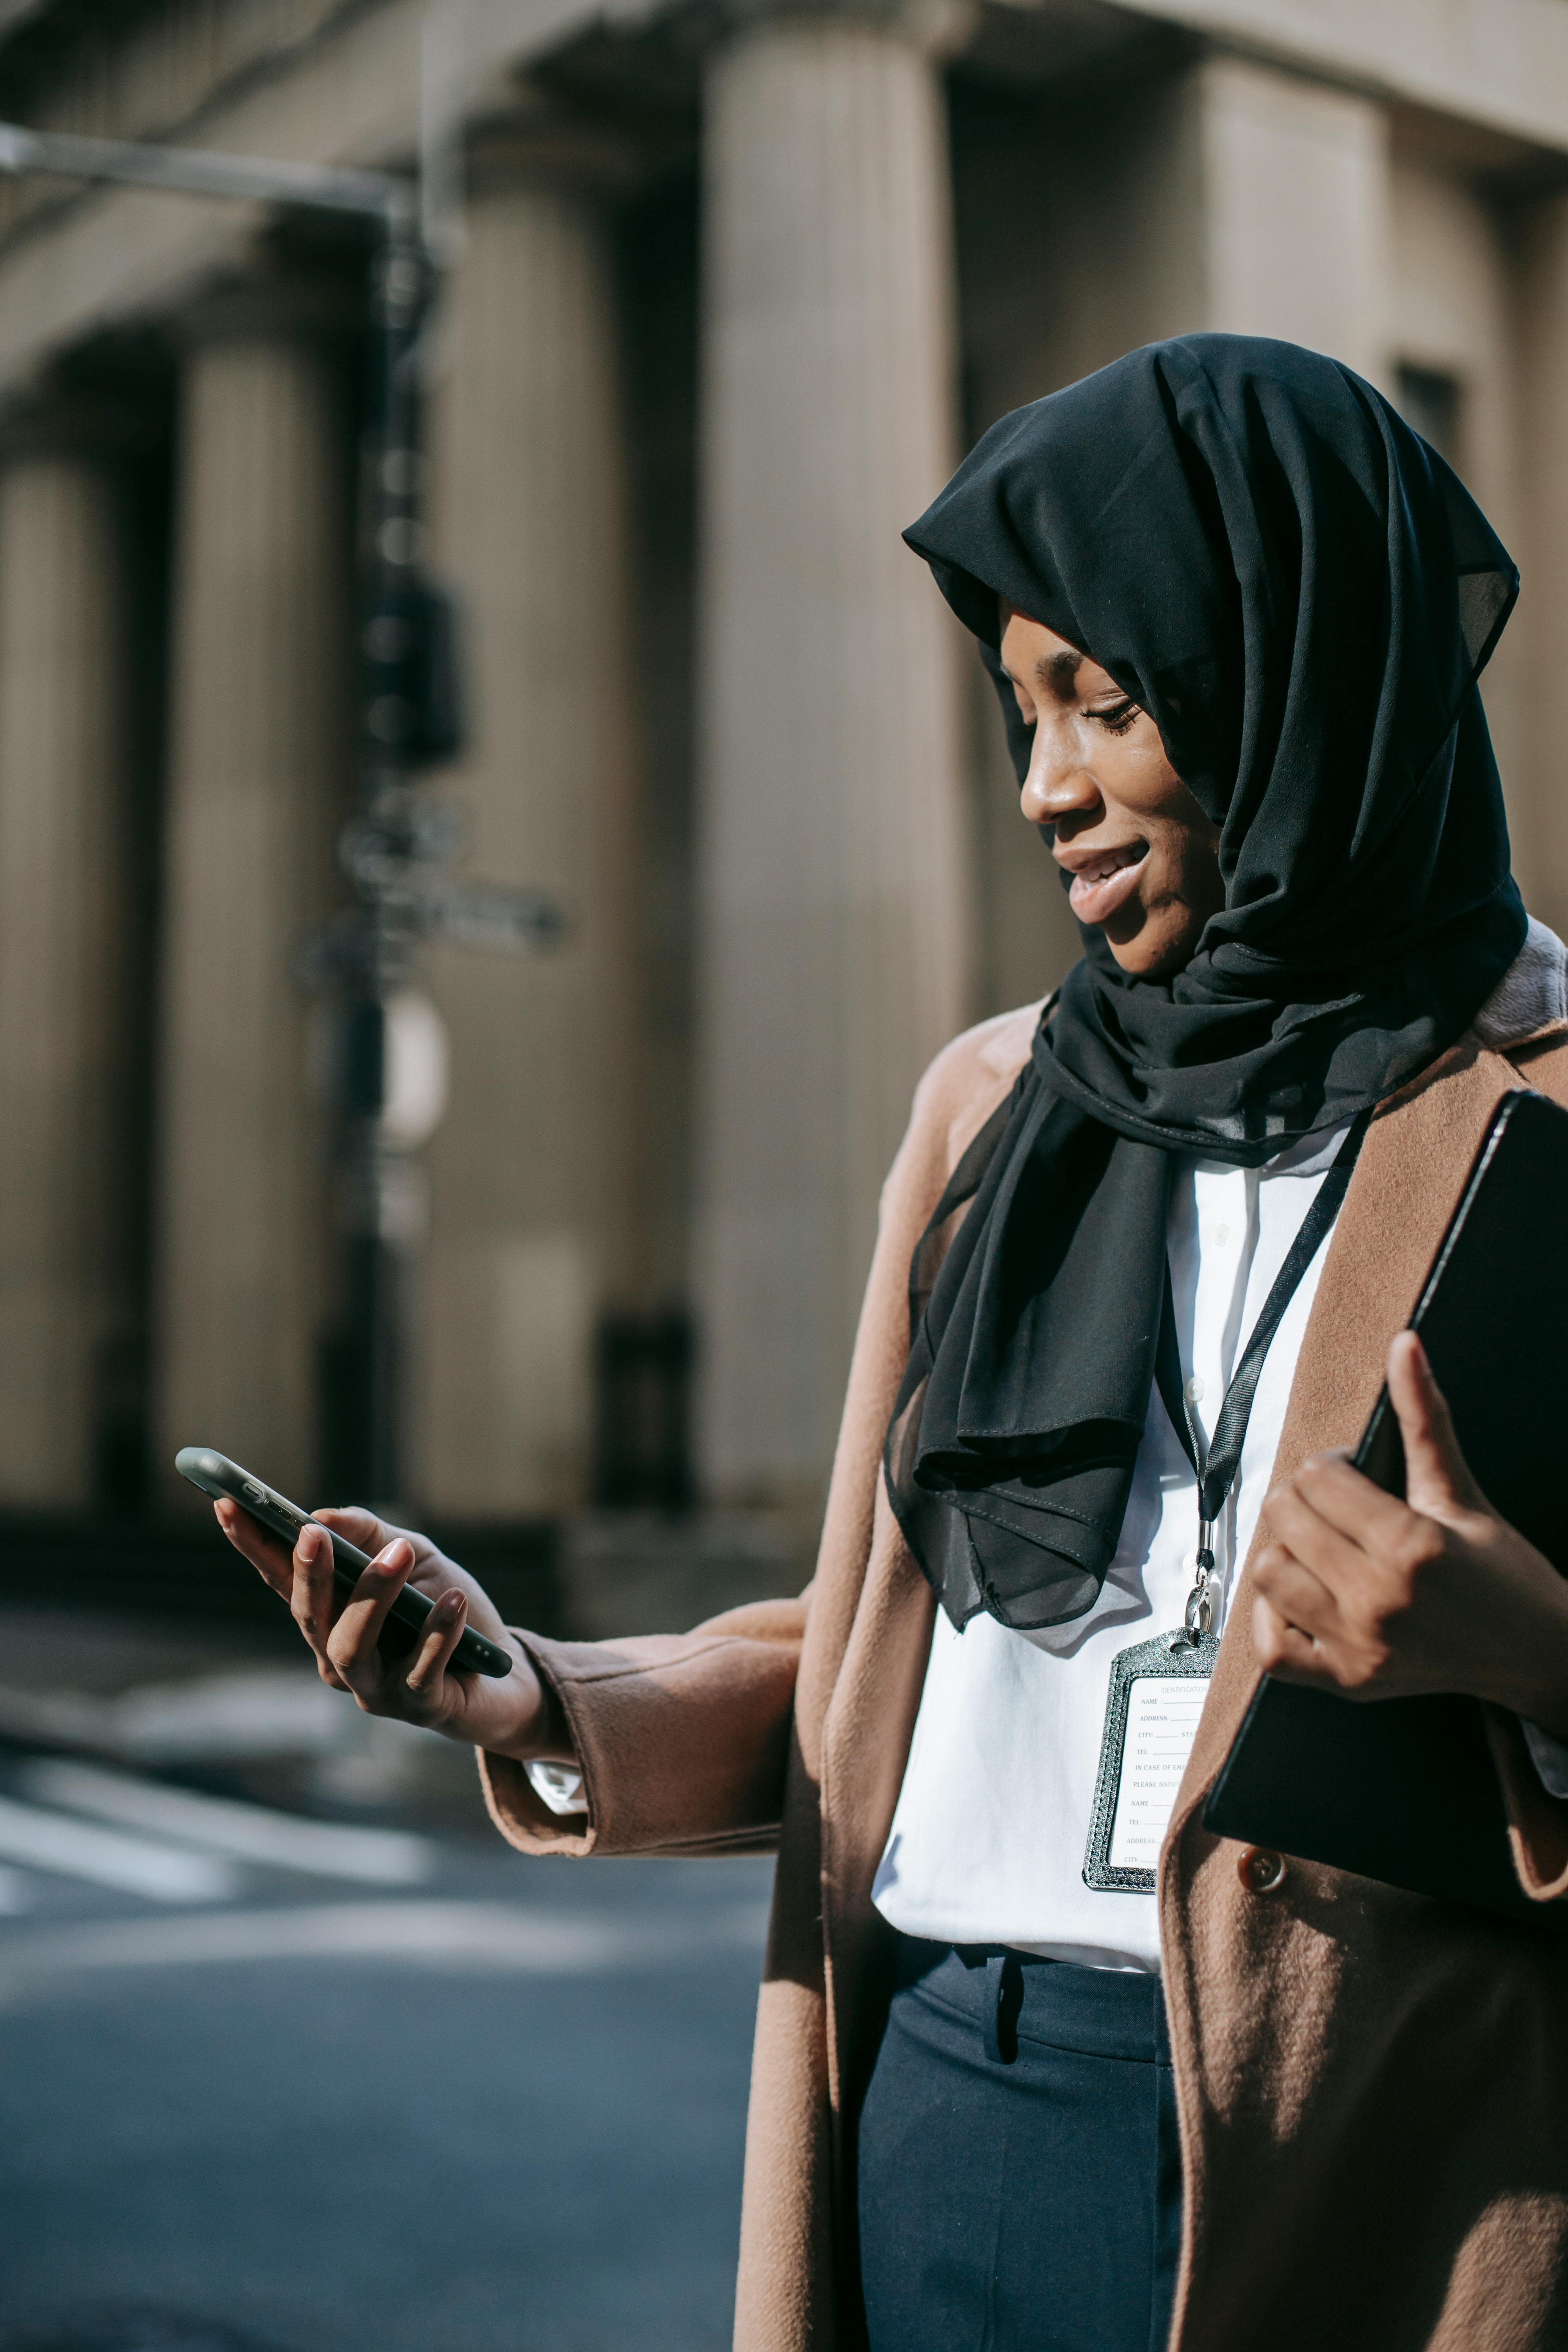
column 1003, row 1999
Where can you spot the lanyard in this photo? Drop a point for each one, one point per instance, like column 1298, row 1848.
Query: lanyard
column 1216, row 1465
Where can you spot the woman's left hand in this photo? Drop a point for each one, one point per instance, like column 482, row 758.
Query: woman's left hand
column 1375, row 1598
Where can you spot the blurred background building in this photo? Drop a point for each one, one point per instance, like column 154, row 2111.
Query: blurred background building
column 735, row 284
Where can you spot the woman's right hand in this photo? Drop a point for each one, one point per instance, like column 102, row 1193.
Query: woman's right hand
column 511, row 1715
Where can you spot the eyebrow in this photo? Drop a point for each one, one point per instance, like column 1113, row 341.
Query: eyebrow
column 1055, row 673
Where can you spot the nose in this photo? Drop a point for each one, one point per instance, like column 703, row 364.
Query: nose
column 1059, row 784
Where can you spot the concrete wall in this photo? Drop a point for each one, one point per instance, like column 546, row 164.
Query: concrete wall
column 535, row 1170
column 1541, row 771
column 1452, row 311
column 1282, row 182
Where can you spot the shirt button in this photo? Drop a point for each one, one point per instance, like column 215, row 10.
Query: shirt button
column 1194, row 1391
column 1260, row 1870
column 1222, row 1235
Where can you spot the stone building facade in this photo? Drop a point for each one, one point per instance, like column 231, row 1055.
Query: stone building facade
column 734, row 288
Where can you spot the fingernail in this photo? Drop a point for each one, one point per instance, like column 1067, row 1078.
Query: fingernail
column 385, row 1556
column 450, row 1603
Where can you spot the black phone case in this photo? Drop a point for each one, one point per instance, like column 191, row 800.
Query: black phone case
column 1404, row 1790
column 214, row 1473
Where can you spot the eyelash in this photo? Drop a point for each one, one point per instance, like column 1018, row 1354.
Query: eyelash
column 1118, row 719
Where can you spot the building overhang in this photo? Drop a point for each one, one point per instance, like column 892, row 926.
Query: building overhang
column 347, row 91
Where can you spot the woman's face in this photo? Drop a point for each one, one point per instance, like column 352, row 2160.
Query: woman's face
column 1144, row 856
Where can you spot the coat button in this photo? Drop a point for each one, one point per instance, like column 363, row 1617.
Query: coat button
column 1260, row 1870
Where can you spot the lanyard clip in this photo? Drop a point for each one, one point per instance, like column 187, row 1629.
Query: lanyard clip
column 1203, row 1599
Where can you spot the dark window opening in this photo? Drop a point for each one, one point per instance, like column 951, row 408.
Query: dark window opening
column 1430, row 402
column 642, row 1454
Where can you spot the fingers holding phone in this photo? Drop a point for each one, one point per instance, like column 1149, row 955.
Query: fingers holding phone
column 432, row 1573
column 419, row 1684
column 267, row 1553
column 299, row 1584
column 344, row 1631
column 387, row 1617
column 315, row 1601
column 349, row 1631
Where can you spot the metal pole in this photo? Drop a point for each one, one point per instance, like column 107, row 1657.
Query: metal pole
column 381, row 853
column 398, row 837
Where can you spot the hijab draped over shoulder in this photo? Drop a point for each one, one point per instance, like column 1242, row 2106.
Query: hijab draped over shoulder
column 1301, row 595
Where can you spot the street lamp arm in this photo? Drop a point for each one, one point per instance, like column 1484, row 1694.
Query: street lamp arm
column 193, row 172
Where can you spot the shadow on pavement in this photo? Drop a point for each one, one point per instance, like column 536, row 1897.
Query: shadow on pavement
column 130, row 2331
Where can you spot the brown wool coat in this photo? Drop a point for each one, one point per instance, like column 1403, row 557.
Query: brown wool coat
column 1372, row 2090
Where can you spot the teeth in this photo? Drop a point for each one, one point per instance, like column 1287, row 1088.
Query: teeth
column 1111, row 863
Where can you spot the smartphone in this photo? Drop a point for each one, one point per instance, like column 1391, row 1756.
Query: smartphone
column 225, row 1481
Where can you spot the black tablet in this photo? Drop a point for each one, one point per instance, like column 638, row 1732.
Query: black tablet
column 1404, row 1790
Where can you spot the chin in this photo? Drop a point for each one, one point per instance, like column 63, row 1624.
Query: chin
column 1148, row 956
column 1155, row 941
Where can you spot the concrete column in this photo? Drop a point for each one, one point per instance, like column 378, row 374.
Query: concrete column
column 832, row 875
column 257, row 774
column 534, row 1173
column 1452, row 311
column 1295, row 183
column 1230, row 196
column 65, row 1175
column 1538, row 803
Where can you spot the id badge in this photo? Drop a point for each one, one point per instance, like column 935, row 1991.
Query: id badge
column 1151, row 1711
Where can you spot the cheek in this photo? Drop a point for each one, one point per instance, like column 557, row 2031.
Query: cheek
column 1184, row 881
column 1185, row 843
column 1134, row 771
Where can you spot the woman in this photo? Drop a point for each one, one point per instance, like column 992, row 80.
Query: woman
column 1003, row 2095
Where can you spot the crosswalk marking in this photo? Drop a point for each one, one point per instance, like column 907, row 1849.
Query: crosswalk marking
column 74, row 1849
column 483, row 1937
column 246, row 1832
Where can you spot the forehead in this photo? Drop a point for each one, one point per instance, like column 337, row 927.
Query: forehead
column 1036, row 656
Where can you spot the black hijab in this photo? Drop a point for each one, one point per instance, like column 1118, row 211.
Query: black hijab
column 1301, row 595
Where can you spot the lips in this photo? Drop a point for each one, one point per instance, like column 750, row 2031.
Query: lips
column 1103, row 880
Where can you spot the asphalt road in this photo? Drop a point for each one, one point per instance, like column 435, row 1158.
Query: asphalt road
column 298, row 2077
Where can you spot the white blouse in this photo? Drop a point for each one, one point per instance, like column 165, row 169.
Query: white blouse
column 988, row 1839
column 987, row 1842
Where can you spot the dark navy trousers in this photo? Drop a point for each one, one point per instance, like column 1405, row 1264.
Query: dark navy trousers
column 1019, row 2175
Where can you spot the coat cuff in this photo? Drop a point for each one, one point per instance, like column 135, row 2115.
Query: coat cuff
column 1538, row 1820
column 513, row 1798
column 681, row 1739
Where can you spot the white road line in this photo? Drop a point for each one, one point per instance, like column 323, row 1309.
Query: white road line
column 223, row 1825
column 77, row 1850
column 486, row 1938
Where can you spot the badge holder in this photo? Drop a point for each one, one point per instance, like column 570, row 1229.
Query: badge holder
column 1152, row 1712
column 1157, row 1689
